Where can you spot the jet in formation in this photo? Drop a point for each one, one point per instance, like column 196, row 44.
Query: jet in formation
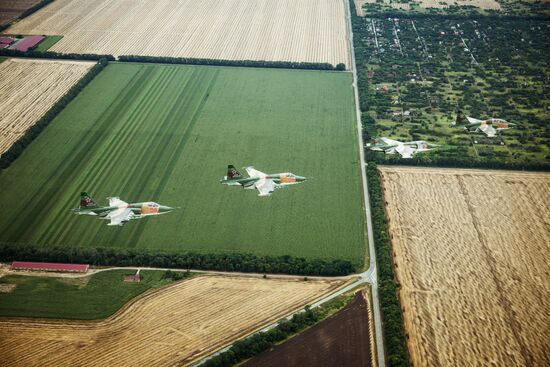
column 119, row 212
column 490, row 126
column 263, row 182
column 405, row 149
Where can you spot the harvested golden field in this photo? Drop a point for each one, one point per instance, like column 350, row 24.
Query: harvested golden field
column 28, row 89
column 173, row 325
column 471, row 251
column 282, row 30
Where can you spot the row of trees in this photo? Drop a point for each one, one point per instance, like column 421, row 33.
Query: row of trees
column 17, row 148
column 245, row 63
column 54, row 55
column 143, row 257
column 257, row 343
column 389, row 301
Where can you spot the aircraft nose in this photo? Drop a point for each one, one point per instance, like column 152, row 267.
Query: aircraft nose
column 301, row 178
column 165, row 208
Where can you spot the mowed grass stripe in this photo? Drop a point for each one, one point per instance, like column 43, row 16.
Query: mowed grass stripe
column 102, row 167
column 166, row 133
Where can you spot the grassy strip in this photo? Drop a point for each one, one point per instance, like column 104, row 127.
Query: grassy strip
column 394, row 337
column 47, row 43
column 243, row 63
column 76, row 298
column 140, row 257
column 260, row 342
column 19, row 146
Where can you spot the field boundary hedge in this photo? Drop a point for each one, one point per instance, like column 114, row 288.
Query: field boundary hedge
column 260, row 342
column 241, row 63
column 392, row 325
column 247, row 263
column 19, row 146
column 54, row 55
column 26, row 13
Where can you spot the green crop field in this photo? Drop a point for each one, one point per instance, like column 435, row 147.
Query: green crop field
column 166, row 134
column 87, row 298
column 48, row 43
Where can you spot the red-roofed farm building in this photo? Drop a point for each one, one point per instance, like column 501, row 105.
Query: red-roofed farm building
column 38, row 266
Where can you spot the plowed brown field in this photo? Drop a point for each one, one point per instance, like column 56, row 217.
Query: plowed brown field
column 282, row 30
column 170, row 326
column 471, row 250
column 11, row 9
column 344, row 340
column 28, row 89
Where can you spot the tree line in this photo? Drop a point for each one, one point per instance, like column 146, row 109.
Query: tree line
column 17, row 148
column 390, row 307
column 53, row 55
column 247, row 263
column 243, row 63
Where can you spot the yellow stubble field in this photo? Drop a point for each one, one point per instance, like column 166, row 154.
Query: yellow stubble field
column 28, row 89
column 472, row 252
column 281, row 30
column 173, row 325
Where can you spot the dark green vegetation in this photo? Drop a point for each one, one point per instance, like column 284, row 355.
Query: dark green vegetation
column 508, row 9
column 245, row 63
column 166, row 134
column 485, row 67
column 180, row 260
column 17, row 148
column 257, row 343
column 47, row 43
column 35, row 54
column 88, row 298
column 390, row 307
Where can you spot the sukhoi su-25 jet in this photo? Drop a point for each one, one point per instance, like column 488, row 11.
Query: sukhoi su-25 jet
column 490, row 126
column 263, row 182
column 119, row 212
column 405, row 149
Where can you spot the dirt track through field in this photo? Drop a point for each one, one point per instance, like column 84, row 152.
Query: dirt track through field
column 28, row 89
column 282, row 30
column 171, row 326
column 471, row 250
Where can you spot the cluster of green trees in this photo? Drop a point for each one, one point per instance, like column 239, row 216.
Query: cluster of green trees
column 54, row 55
column 17, row 148
column 176, row 275
column 245, row 63
column 143, row 257
column 390, row 306
column 257, row 343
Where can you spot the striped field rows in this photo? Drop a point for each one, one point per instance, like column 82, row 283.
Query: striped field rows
column 170, row 326
column 28, row 89
column 282, row 30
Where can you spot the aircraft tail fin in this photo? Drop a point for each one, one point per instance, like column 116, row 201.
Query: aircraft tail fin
column 232, row 173
column 86, row 201
column 460, row 119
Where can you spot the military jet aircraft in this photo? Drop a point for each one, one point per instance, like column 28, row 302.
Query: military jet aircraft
column 406, row 149
column 490, row 126
column 265, row 183
column 118, row 211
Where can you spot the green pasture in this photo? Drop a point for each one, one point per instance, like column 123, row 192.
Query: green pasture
column 95, row 297
column 48, row 43
column 166, row 133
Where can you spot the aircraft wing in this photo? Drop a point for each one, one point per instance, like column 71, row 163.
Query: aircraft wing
column 405, row 151
column 115, row 201
column 254, row 172
column 489, row 130
column 390, row 141
column 120, row 216
column 265, row 186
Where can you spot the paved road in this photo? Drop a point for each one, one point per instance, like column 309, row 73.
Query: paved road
column 371, row 275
